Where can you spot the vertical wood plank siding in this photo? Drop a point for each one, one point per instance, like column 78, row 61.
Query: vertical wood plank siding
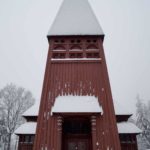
column 76, row 78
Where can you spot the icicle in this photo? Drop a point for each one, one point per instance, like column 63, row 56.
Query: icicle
column 47, row 115
column 65, row 85
column 62, row 92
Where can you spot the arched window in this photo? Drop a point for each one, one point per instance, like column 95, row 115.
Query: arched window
column 75, row 48
column 92, row 47
column 92, row 51
column 59, row 48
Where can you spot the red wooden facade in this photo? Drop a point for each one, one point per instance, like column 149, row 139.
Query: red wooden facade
column 68, row 74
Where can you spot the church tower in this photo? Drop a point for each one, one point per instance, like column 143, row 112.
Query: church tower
column 76, row 109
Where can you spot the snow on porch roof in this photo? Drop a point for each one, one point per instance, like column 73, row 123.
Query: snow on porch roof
column 121, row 109
column 123, row 128
column 75, row 17
column 27, row 128
column 128, row 128
column 76, row 104
column 33, row 110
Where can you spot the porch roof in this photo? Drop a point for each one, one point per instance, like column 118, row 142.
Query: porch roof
column 33, row 110
column 119, row 110
column 128, row 128
column 123, row 128
column 27, row 128
column 76, row 104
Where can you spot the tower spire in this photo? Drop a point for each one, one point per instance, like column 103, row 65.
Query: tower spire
column 75, row 17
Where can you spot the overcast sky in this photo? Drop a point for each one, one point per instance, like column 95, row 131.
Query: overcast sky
column 126, row 23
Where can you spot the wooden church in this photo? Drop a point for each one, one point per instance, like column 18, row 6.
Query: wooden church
column 76, row 109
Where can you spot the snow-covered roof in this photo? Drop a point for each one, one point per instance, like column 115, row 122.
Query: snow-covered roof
column 27, row 128
column 76, row 104
column 123, row 128
column 75, row 17
column 121, row 109
column 128, row 127
column 33, row 110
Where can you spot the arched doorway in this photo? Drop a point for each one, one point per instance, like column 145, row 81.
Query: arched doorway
column 76, row 133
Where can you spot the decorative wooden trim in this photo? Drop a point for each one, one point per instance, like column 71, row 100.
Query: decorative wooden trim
column 93, row 128
column 93, row 123
column 59, row 123
column 59, row 132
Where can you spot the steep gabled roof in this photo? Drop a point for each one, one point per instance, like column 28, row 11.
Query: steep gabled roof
column 75, row 17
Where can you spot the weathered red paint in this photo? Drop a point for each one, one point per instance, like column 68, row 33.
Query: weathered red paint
column 76, row 77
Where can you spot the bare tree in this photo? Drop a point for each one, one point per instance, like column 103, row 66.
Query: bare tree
column 3, row 130
column 143, row 122
column 14, row 101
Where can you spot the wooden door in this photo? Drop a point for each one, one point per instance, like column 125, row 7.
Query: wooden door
column 76, row 134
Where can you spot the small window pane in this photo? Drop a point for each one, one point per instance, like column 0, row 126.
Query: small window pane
column 92, row 55
column 32, row 139
column 27, row 139
column 58, row 55
column 75, row 55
